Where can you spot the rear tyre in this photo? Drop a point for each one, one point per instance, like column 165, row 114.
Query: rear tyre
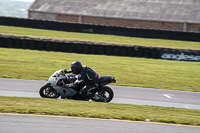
column 107, row 93
column 48, row 92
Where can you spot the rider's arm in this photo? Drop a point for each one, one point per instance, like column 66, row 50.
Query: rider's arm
column 67, row 71
column 76, row 82
column 80, row 79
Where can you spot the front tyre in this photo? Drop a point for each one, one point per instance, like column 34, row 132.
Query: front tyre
column 48, row 92
column 107, row 93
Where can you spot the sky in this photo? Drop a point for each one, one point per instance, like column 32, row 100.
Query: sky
column 15, row 8
column 24, row 0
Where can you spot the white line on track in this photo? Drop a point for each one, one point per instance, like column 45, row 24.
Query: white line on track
column 168, row 95
column 115, row 100
column 186, row 107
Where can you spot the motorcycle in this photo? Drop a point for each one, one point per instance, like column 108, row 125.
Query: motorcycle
column 54, row 87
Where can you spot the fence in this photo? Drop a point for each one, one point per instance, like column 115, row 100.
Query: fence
column 101, row 49
column 100, row 29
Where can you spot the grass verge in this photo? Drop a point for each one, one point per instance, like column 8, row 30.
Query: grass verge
column 98, row 38
column 129, row 71
column 99, row 110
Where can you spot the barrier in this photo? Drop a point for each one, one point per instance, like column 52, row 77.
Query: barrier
column 101, row 49
column 180, row 55
column 100, row 29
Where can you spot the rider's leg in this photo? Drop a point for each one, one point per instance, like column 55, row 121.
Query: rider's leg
column 86, row 91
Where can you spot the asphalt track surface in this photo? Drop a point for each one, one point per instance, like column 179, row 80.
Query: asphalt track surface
column 15, row 123
column 20, row 123
column 123, row 94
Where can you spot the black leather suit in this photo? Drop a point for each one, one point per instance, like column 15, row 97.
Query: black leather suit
column 90, row 78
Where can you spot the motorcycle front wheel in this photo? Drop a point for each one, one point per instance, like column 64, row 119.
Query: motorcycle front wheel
column 48, row 92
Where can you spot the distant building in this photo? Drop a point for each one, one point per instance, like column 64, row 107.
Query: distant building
column 181, row 15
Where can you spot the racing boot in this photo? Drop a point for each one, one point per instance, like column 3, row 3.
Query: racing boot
column 89, row 95
column 98, row 98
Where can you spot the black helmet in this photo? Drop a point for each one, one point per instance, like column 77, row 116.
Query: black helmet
column 76, row 67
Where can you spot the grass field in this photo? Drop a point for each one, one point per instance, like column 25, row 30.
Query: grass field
column 60, row 35
column 129, row 71
column 99, row 110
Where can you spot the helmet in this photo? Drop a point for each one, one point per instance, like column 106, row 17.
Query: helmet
column 76, row 67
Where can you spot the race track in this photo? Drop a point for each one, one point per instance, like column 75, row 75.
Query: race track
column 123, row 94
column 23, row 123
column 17, row 123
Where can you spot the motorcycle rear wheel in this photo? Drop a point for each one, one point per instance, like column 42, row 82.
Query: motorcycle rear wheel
column 48, row 92
column 107, row 93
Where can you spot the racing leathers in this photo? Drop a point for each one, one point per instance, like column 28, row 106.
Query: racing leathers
column 89, row 77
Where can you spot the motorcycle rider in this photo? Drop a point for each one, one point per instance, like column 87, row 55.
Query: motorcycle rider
column 86, row 75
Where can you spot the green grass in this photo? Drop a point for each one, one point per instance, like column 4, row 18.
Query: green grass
column 60, row 35
column 140, row 72
column 99, row 110
column 129, row 71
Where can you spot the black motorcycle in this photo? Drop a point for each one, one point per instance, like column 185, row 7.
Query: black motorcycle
column 54, row 87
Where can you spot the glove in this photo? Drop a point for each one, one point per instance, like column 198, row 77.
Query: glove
column 67, row 85
column 67, row 71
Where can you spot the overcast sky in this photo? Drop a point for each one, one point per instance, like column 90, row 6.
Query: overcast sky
column 25, row 0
